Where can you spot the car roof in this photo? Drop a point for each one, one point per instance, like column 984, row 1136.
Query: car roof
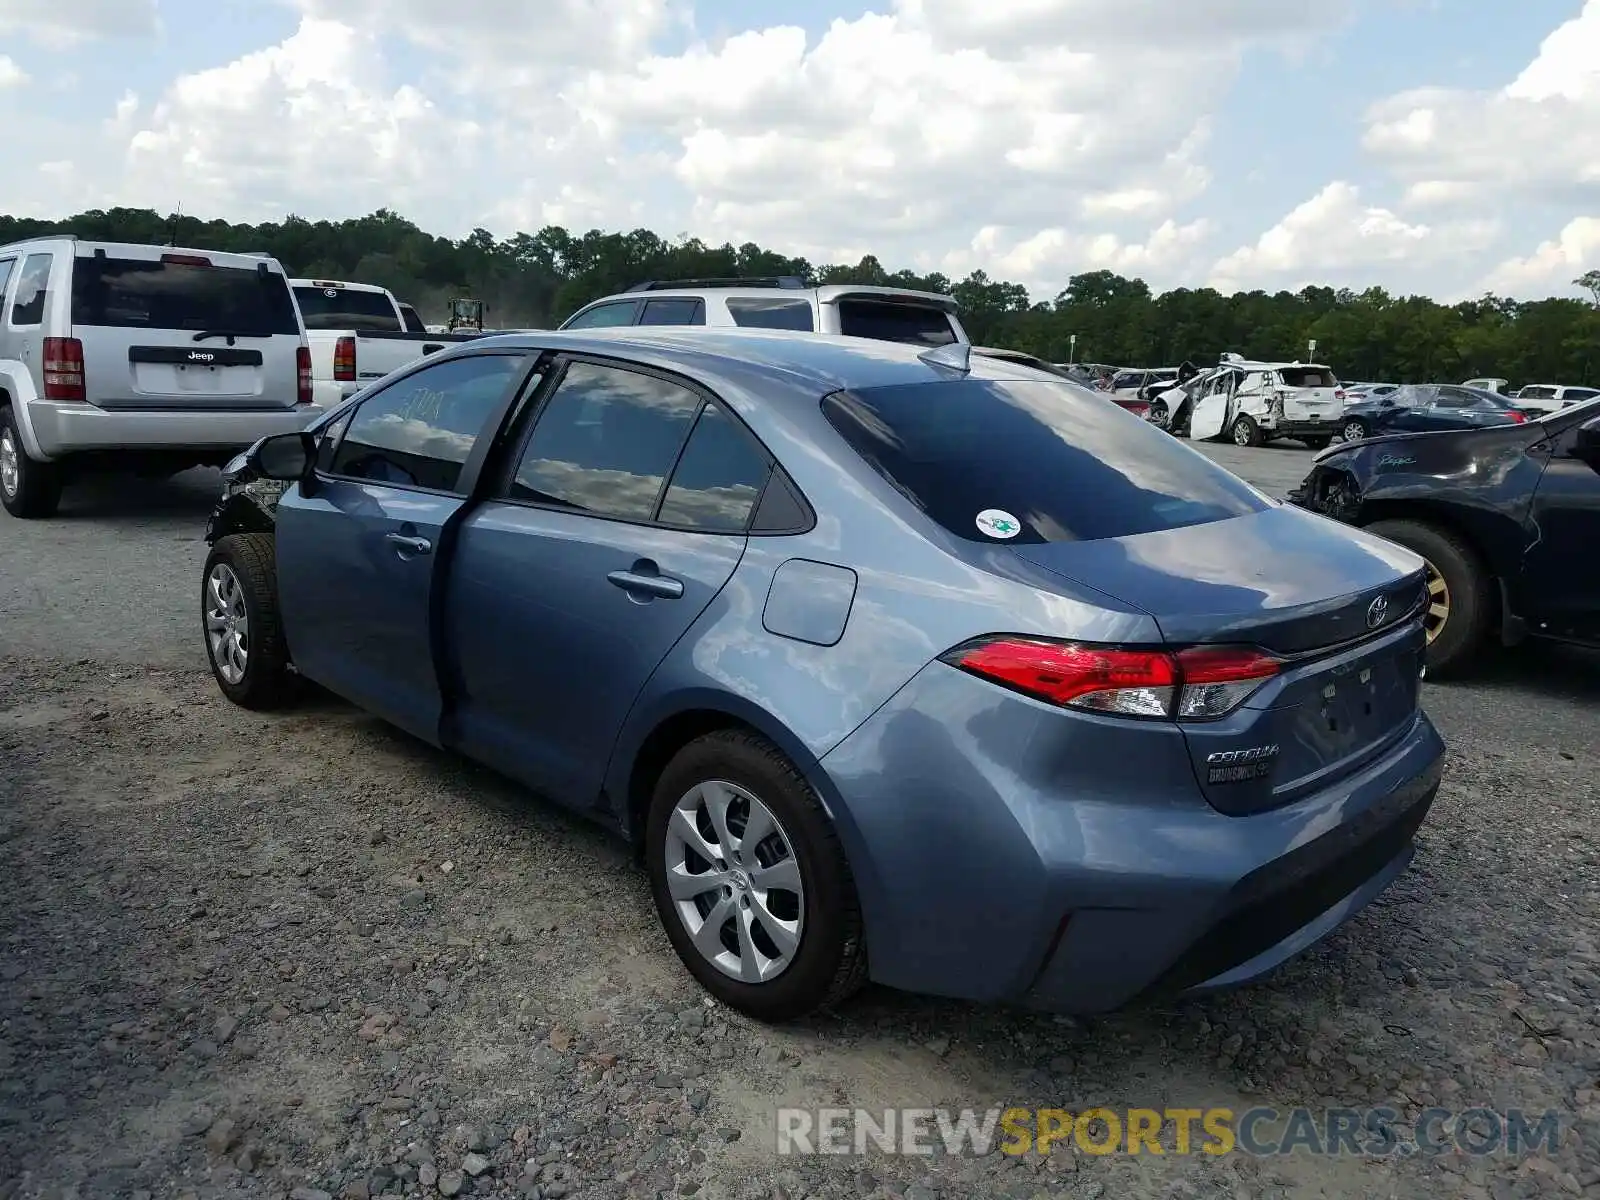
column 810, row 362
column 825, row 294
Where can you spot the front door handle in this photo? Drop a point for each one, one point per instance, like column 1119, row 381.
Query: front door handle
column 640, row 584
column 408, row 545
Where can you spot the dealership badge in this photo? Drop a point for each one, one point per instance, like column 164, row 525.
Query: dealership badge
column 998, row 523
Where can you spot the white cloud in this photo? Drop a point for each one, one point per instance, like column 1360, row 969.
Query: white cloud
column 1536, row 138
column 310, row 121
column 11, row 75
column 1552, row 267
column 63, row 22
column 1334, row 237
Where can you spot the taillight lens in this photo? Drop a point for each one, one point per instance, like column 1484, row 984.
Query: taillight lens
column 1200, row 683
column 63, row 369
column 1338, row 393
column 1517, row 418
column 344, row 360
column 302, row 364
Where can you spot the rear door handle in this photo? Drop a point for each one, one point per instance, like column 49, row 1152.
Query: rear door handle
column 408, row 545
column 647, row 585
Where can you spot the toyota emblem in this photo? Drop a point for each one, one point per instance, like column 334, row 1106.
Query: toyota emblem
column 1376, row 612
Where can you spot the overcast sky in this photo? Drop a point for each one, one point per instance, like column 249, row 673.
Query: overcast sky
column 1439, row 146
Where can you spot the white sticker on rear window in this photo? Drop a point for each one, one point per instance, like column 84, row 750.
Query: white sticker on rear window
column 998, row 523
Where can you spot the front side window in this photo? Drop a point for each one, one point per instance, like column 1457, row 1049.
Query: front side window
column 33, row 291
column 760, row 312
column 181, row 291
column 419, row 431
column 602, row 316
column 1038, row 449
column 605, row 442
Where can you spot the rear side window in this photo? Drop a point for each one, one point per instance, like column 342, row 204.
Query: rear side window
column 1572, row 394
column 604, row 315
column 605, row 442
column 1537, row 393
column 33, row 291
column 1045, row 452
column 758, row 312
column 347, row 308
column 718, row 479
column 419, row 431
column 125, row 293
column 886, row 321
column 677, row 310
column 7, row 265
column 1307, row 377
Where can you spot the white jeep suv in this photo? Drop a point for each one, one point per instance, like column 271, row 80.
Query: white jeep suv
column 782, row 302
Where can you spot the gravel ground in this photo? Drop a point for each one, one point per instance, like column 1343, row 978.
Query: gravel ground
column 303, row 955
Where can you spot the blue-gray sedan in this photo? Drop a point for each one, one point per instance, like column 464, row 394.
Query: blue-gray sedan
column 901, row 666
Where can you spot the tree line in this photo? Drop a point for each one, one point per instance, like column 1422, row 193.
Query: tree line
column 536, row 280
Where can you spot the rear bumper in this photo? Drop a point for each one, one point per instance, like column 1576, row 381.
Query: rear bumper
column 1300, row 428
column 1079, row 874
column 58, row 429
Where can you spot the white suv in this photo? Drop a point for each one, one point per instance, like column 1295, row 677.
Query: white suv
column 152, row 358
column 1553, row 397
column 782, row 302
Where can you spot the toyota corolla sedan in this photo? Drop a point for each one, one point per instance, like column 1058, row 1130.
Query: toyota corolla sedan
column 925, row 668
column 1423, row 408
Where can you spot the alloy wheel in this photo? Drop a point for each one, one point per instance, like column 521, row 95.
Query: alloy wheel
column 735, row 882
column 1433, row 621
column 10, row 467
column 227, row 623
column 1241, row 432
column 1354, row 431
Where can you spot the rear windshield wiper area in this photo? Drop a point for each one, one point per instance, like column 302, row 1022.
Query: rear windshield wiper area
column 230, row 334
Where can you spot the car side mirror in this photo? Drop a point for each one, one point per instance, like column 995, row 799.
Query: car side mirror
column 284, row 456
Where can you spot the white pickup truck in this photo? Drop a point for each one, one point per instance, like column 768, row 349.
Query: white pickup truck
column 358, row 333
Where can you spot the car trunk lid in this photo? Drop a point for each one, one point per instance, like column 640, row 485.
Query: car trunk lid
column 1339, row 608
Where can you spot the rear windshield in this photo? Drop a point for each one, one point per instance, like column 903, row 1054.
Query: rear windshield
column 124, row 293
column 347, row 308
column 887, row 321
column 1308, row 377
column 1054, row 456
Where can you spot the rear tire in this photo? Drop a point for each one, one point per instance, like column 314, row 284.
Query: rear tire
column 1461, row 593
column 28, row 489
column 240, row 623
column 1245, row 431
column 829, row 961
column 1354, row 431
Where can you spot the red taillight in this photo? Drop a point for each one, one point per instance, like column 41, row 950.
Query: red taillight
column 1517, row 418
column 1196, row 684
column 1338, row 393
column 186, row 260
column 63, row 369
column 344, row 360
column 302, row 364
column 1138, row 410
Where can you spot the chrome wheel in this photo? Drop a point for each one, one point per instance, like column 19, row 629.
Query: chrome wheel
column 10, row 468
column 1354, row 431
column 227, row 623
column 1433, row 621
column 734, row 881
column 1243, row 433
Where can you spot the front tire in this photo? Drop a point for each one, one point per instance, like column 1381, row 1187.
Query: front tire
column 28, row 489
column 1460, row 593
column 240, row 622
column 750, row 881
column 1245, row 431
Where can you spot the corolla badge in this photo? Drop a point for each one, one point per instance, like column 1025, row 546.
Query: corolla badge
column 1377, row 611
column 1240, row 766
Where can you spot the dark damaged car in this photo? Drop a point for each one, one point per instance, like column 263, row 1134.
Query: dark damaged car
column 1507, row 518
